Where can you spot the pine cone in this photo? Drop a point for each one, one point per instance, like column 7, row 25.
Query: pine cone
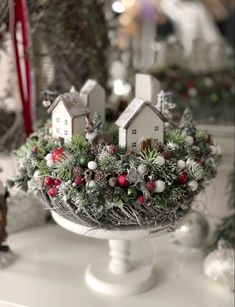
column 108, row 193
column 96, row 150
column 78, row 171
column 100, row 175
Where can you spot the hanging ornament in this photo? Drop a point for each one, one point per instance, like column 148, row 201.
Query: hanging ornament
column 193, row 185
column 219, row 265
column 160, row 186
column 193, row 232
column 181, row 164
column 122, row 181
column 92, row 165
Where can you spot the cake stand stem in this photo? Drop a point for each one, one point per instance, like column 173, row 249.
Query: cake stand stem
column 119, row 256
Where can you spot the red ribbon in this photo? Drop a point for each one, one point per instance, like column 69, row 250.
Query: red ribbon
column 19, row 25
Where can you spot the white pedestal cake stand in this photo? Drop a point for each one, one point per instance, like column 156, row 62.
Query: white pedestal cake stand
column 117, row 275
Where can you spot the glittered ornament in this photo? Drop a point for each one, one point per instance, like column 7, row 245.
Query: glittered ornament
column 193, row 185
column 48, row 182
column 57, row 154
column 160, row 160
column 57, row 182
column 92, row 165
column 132, row 192
column 150, row 185
column 194, row 231
column 53, row 192
column 122, row 181
column 160, row 186
column 181, row 164
column 112, row 182
column 219, row 265
column 182, row 178
column 83, row 160
column 189, row 140
column 142, row 169
column 48, row 156
column 141, row 200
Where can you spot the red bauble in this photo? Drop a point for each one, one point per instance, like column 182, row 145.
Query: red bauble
column 166, row 154
column 111, row 149
column 141, row 200
column 78, row 180
column 57, row 154
column 151, row 185
column 182, row 178
column 52, row 192
column 48, row 182
column 57, row 182
column 122, row 181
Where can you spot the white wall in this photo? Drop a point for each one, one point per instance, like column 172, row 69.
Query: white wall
column 59, row 129
column 79, row 125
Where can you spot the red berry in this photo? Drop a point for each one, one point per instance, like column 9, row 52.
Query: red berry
column 57, row 154
column 57, row 182
column 141, row 200
column 53, row 192
column 35, row 150
column 201, row 161
column 48, row 182
column 122, row 181
column 111, row 149
column 151, row 185
column 78, row 180
column 182, row 178
column 166, row 154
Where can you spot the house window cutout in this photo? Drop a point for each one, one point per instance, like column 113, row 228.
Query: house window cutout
column 133, row 145
column 66, row 122
column 156, row 128
column 65, row 132
column 57, row 119
column 57, row 130
column 134, row 131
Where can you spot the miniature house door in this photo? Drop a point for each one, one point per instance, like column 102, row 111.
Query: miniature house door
column 144, row 144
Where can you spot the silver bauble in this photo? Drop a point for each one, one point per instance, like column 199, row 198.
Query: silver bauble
column 193, row 232
column 142, row 169
column 219, row 265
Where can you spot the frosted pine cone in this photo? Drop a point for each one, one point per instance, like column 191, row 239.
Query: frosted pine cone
column 100, row 175
column 78, row 171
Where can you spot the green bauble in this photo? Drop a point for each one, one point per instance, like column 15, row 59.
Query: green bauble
column 83, row 160
column 132, row 192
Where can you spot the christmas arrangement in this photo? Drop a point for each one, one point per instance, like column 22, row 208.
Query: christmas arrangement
column 147, row 176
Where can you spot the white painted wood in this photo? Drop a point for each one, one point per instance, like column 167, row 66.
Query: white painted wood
column 94, row 96
column 146, row 87
column 79, row 125
column 61, row 122
column 119, row 256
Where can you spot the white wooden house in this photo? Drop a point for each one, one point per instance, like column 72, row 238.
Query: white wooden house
column 69, row 111
column 147, row 87
column 94, row 97
column 140, row 125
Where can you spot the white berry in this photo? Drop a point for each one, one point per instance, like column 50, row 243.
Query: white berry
column 48, row 156
column 181, row 164
column 189, row 140
column 160, row 160
column 193, row 185
column 92, row 184
column 50, row 163
column 160, row 186
column 92, row 165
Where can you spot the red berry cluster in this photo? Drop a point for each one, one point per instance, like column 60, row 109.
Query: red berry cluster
column 52, row 185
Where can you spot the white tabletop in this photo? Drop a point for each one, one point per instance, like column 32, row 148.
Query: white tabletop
column 49, row 272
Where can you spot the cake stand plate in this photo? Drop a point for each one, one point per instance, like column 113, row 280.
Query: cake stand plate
column 117, row 275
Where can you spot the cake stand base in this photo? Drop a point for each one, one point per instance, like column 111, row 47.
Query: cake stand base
column 139, row 279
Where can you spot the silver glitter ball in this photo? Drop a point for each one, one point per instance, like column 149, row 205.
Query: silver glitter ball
column 194, row 230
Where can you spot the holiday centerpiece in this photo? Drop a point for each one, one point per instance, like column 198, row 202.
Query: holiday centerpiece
column 125, row 184
column 149, row 179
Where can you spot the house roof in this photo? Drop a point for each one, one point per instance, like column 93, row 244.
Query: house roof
column 134, row 108
column 73, row 103
column 89, row 85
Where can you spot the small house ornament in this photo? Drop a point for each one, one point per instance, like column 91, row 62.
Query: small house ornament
column 146, row 87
